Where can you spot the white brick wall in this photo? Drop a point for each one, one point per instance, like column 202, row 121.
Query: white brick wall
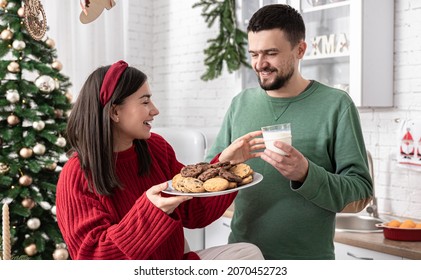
column 398, row 190
column 173, row 57
column 180, row 36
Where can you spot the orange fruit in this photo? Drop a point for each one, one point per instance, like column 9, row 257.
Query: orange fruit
column 394, row 223
column 407, row 224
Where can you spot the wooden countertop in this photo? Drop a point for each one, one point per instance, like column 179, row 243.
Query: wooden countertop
column 371, row 241
column 377, row 242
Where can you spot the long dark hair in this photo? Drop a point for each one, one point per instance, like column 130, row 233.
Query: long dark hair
column 89, row 130
column 281, row 16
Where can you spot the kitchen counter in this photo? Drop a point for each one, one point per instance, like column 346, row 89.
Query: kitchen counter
column 371, row 241
column 377, row 242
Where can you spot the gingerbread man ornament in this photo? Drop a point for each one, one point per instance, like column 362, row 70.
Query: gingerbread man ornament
column 92, row 9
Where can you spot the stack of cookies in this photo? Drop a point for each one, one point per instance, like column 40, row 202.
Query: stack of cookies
column 206, row 177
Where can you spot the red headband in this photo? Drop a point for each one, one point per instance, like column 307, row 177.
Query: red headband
column 110, row 81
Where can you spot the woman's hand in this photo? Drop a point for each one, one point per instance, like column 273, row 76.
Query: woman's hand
column 166, row 204
column 243, row 148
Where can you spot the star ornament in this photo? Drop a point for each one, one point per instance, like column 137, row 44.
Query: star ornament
column 92, row 9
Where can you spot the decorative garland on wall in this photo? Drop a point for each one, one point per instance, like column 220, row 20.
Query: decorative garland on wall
column 229, row 46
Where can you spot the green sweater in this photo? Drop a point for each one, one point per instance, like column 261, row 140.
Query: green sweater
column 289, row 220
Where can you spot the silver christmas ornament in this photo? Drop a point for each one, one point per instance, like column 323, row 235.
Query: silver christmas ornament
column 38, row 125
column 39, row 149
column 18, row 45
column 33, row 223
column 12, row 96
column 61, row 252
column 45, row 83
column 61, row 142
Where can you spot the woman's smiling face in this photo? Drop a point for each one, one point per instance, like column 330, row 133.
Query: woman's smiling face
column 132, row 118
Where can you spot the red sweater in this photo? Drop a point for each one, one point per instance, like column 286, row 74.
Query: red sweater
column 127, row 225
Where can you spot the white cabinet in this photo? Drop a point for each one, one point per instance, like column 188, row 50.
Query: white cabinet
column 350, row 46
column 217, row 233
column 347, row 252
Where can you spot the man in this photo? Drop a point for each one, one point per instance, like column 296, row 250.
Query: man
column 291, row 213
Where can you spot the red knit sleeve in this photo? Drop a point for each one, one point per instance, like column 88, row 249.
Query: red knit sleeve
column 92, row 231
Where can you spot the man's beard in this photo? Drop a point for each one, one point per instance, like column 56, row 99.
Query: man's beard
column 279, row 81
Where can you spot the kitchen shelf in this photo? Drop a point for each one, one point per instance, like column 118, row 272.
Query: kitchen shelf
column 325, row 6
column 331, row 57
column 350, row 43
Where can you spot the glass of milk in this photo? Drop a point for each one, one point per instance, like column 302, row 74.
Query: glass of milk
column 277, row 132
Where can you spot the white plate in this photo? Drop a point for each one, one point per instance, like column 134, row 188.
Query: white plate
column 257, row 177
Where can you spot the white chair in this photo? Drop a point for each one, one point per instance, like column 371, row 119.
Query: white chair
column 189, row 146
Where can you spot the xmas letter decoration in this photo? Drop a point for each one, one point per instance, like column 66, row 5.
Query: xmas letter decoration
column 35, row 19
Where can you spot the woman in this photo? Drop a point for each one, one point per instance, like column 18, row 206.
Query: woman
column 109, row 201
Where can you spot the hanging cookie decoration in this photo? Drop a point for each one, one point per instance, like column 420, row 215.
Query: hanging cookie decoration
column 92, row 9
column 35, row 19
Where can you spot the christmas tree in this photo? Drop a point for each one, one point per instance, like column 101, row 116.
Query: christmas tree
column 34, row 106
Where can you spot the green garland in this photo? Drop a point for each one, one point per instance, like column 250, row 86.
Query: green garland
column 230, row 45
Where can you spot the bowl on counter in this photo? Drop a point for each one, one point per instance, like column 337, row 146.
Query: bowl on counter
column 400, row 234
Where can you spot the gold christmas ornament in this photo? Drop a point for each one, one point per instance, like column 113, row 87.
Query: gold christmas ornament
column 50, row 43
column 52, row 166
column 39, row 149
column 18, row 45
column 69, row 96
column 25, row 180
column 34, row 19
column 21, row 12
column 31, row 250
column 3, row 4
column 33, row 223
column 58, row 113
column 28, row 203
column 57, row 65
column 13, row 120
column 45, row 83
column 4, row 168
column 6, row 34
column 26, row 152
column 12, row 96
column 13, row 67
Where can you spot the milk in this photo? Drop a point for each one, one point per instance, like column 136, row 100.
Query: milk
column 278, row 132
